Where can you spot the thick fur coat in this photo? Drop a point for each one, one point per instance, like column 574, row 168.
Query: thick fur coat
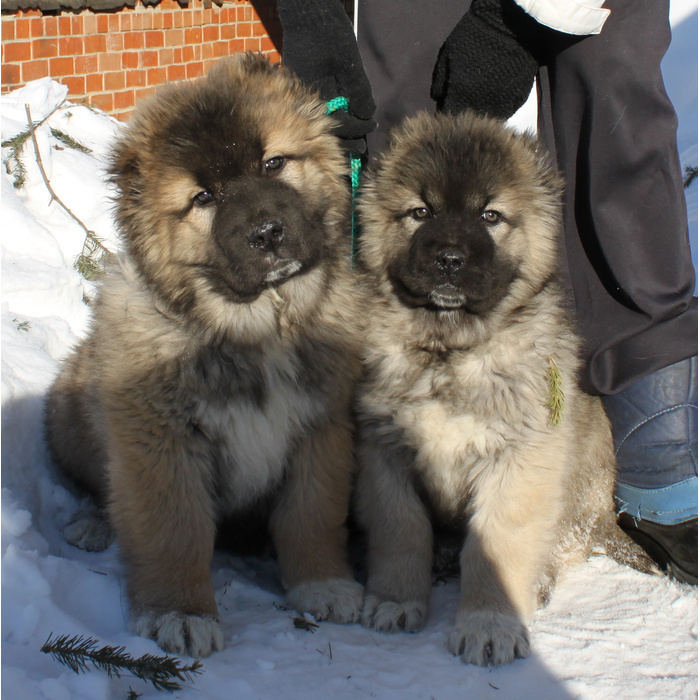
column 216, row 379
column 470, row 350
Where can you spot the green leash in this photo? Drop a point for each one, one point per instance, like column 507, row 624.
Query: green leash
column 355, row 170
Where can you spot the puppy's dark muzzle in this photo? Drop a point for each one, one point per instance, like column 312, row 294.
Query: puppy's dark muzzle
column 267, row 237
column 450, row 262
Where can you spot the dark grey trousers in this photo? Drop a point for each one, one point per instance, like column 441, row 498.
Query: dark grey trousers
column 605, row 116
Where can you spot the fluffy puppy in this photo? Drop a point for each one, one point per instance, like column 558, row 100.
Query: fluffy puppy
column 216, row 379
column 470, row 412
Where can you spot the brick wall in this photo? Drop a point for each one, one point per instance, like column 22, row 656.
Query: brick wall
column 110, row 59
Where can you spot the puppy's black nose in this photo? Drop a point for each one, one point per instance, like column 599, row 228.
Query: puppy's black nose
column 450, row 261
column 267, row 236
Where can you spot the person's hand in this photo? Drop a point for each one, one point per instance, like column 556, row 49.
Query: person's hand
column 319, row 46
column 489, row 61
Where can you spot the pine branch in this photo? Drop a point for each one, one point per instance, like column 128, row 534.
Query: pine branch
column 78, row 653
column 555, row 394
column 88, row 262
column 69, row 141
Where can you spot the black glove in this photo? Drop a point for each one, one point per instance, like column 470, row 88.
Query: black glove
column 489, row 61
column 319, row 46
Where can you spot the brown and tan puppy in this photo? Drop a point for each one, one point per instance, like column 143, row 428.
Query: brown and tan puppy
column 470, row 412
column 217, row 376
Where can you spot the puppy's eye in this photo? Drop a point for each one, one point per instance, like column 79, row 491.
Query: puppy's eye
column 273, row 165
column 203, row 198
column 420, row 213
column 491, row 216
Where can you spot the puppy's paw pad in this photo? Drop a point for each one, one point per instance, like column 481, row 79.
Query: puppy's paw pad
column 337, row 600
column 181, row 634
column 488, row 638
column 89, row 530
column 389, row 617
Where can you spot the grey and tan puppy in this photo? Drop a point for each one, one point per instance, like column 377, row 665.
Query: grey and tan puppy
column 470, row 355
column 217, row 376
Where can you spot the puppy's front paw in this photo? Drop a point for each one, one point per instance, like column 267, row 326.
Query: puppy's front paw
column 337, row 600
column 389, row 617
column 89, row 530
column 181, row 634
column 488, row 637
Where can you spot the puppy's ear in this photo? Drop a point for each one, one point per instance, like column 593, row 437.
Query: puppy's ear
column 124, row 167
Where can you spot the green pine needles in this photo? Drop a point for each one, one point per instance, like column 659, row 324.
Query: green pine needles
column 78, row 653
column 555, row 394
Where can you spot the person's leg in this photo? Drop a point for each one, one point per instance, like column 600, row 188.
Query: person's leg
column 608, row 120
column 399, row 43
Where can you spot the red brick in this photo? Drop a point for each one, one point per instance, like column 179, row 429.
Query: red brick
column 193, row 36
column 168, row 21
column 36, row 27
column 187, row 54
column 115, row 81
column 243, row 30
column 147, row 19
column 90, row 24
column 154, row 39
column 144, row 92
column 76, row 25
column 259, row 29
column 267, row 46
column 166, row 57
column 227, row 31
column 130, row 59
column 64, row 26
column 176, row 73
column 109, row 62
column 207, row 51
column 194, row 70
column 8, row 29
column 126, row 20
column 219, row 49
column 179, row 19
column 236, row 46
column 113, row 22
column 156, row 76
column 103, row 102
column 102, row 24
column 95, row 43
column 115, row 42
column 149, row 59
column 85, row 64
column 70, row 46
column 251, row 45
column 22, row 28
column 174, row 37
column 94, row 82
column 177, row 55
column 133, row 40
column 65, row 65
column 33, row 70
column 135, row 78
column 16, row 52
column 75, row 85
column 50, row 26
column 124, row 100
column 10, row 75
column 210, row 33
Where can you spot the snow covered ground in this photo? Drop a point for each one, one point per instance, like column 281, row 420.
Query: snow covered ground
column 609, row 632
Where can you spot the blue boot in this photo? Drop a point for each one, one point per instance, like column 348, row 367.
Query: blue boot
column 655, row 429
